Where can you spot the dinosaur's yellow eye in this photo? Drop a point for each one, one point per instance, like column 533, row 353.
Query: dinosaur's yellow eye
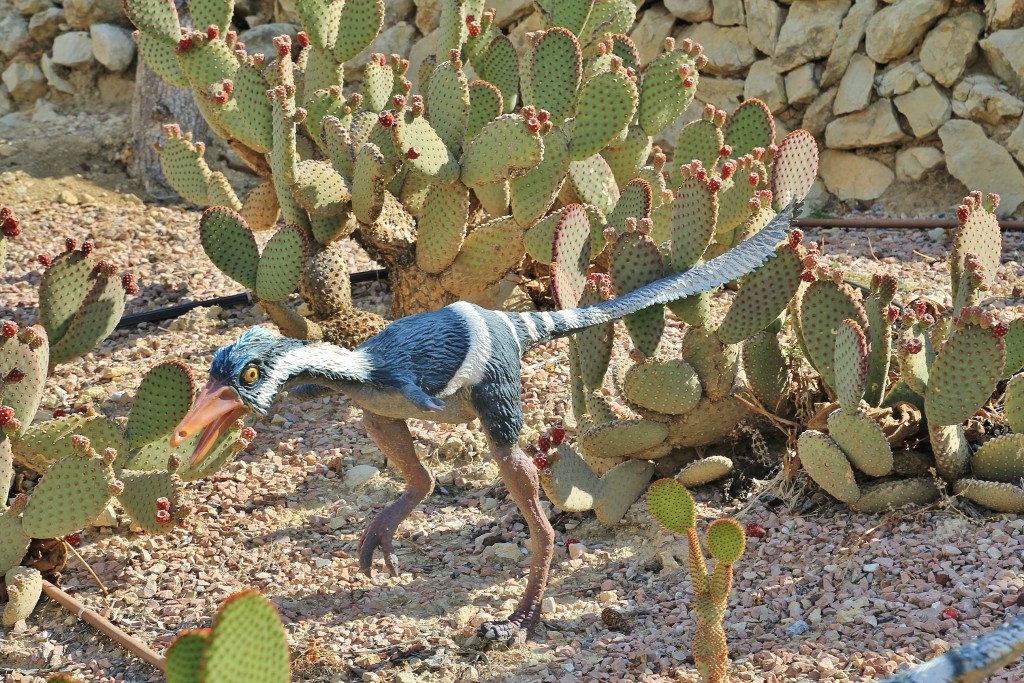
column 250, row 375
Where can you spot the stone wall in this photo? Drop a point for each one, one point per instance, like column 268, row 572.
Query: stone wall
column 902, row 96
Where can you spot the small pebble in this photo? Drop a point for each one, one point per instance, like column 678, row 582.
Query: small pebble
column 577, row 550
column 797, row 627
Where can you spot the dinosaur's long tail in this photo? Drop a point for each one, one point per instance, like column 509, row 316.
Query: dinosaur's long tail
column 537, row 328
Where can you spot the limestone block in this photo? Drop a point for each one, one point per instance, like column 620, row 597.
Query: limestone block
column 724, row 93
column 73, row 49
column 650, row 32
column 914, row 163
column 507, row 11
column 54, row 78
column 951, row 47
column 764, row 84
column 394, row 39
column 693, row 11
column 856, row 86
column 112, row 46
column 819, row 112
column 13, row 33
column 728, row 49
column 896, row 30
column 1004, row 51
column 976, row 161
column 25, row 81
column 30, row 7
column 1004, row 14
column 421, row 49
column 727, row 12
column 1015, row 143
column 801, row 86
column 871, row 127
column 850, row 35
column 900, row 79
column 44, row 26
column 260, row 39
column 980, row 98
column 809, row 33
column 926, row 108
column 852, row 177
column 764, row 20
column 82, row 14
column 428, row 15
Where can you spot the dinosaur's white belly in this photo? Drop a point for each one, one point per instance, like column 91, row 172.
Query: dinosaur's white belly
column 391, row 403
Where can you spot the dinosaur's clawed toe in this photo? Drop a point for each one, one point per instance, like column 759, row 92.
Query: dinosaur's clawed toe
column 511, row 631
column 377, row 536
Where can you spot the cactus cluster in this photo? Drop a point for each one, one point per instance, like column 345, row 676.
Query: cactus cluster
column 948, row 364
column 446, row 188
column 674, row 509
column 663, row 223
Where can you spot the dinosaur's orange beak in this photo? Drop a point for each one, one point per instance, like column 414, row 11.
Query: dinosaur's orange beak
column 214, row 411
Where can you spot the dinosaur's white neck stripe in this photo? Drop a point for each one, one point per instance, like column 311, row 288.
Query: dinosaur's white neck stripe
column 569, row 319
column 322, row 358
column 478, row 354
column 531, row 328
column 505, row 318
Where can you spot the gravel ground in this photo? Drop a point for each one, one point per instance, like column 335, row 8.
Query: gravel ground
column 826, row 595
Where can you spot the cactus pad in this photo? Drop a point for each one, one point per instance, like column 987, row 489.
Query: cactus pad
column 795, row 168
column 726, row 540
column 664, row 97
column 71, row 493
column 162, row 400
column 623, row 437
column 668, row 386
column 441, row 228
column 534, row 192
column 489, row 253
column 978, row 235
column 551, row 73
column 1014, row 341
column 281, row 262
column 485, row 104
column 13, row 539
column 626, row 157
column 701, row 140
column 888, row 495
column 634, row 202
column 184, row 656
column 448, row 102
column 951, row 450
column 694, row 217
column 570, row 257
column 594, row 343
column 637, row 261
column 862, row 440
column 24, row 396
column 248, row 642
column 424, row 149
column 157, row 18
column 851, row 366
column 573, row 486
column 763, row 296
column 750, row 126
column 672, row 505
column 1001, row 459
column 604, row 108
column 504, row 149
column 44, row 443
column 98, row 315
column 998, row 496
column 591, row 181
column 823, row 309
column 361, row 21
column 229, row 243
column 1013, row 403
column 368, row 183
column 499, row 66
column 27, row 585
column 261, row 207
column 827, row 465
column 705, row 471
column 964, row 374
column 766, row 368
column 140, row 494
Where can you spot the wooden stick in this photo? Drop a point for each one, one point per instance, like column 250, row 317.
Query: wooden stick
column 98, row 622
column 86, row 565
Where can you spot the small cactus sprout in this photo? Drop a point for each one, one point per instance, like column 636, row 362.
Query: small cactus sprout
column 386, row 119
column 413, row 153
column 109, row 455
column 809, row 276
column 963, row 212
column 87, row 248
column 302, row 39
column 11, row 226
column 129, row 284
column 80, row 443
column 248, row 433
column 542, row 462
column 950, row 613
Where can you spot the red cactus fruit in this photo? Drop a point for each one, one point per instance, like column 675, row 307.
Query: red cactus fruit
column 795, row 237
column 45, row 259
column 185, row 44
column 399, row 101
column 543, row 115
column 212, row 32
column 950, row 613
column 725, row 151
column 754, row 204
column 474, row 29
column 913, row 346
column 544, row 443
column 754, row 179
column 963, row 212
column 892, row 314
column 1000, row 329
column 74, row 540
column 80, row 443
column 11, row 227
column 70, row 243
column 248, row 434
column 413, row 153
column 728, row 168
column 809, row 276
column 687, row 44
column 163, row 517
column 6, row 415
column 87, row 248
column 701, row 61
column 284, row 47
column 15, row 376
column 715, row 184
column 755, row 530
column 920, row 307
column 557, row 435
column 8, row 329
column 109, row 455
column 532, row 124
column 302, row 39
column 571, row 541
column 689, row 82
column 163, row 504
column 542, row 462
column 670, row 43
column 386, row 119
column 220, row 97
column 470, row 18
column 701, row 174
column 60, row 412
column 128, row 282
column 105, row 268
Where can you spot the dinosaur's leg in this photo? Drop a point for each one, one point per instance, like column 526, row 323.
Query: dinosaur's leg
column 520, row 477
column 393, row 437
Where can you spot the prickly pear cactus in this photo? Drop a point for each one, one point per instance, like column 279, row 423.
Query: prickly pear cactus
column 674, row 509
column 949, row 362
column 24, row 586
column 247, row 642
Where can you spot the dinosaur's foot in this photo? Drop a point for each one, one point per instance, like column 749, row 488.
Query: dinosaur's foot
column 379, row 534
column 511, row 631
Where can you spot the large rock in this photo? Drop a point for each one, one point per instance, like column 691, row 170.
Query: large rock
column 394, row 39
column 926, row 108
column 693, row 11
column 896, row 30
column 764, row 84
column 13, row 33
column 112, row 46
column 724, row 93
column 1004, row 51
column 44, row 26
column 801, row 86
column 764, row 21
column 421, row 49
column 1015, row 143
column 871, row 127
column 30, row 7
column 82, row 14
column 726, row 12
column 649, row 34
column 25, row 81
column 54, row 78
column 428, row 15
column 852, row 177
column 850, row 35
column 507, row 11
column 976, row 161
column 914, row 163
column 809, row 33
column 980, row 98
column 902, row 78
column 951, row 47
column 856, row 87
column 73, row 49
column 819, row 112
column 728, row 50
column 1004, row 13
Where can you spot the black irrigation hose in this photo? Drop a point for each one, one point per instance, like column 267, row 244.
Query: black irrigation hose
column 230, row 300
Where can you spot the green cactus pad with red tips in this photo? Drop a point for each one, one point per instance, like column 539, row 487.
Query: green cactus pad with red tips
column 24, row 396
column 320, row 20
column 13, row 539
column 668, row 386
column 229, row 243
column 71, row 493
column 163, row 399
column 672, row 505
column 368, row 178
column 795, row 168
column 156, row 18
column 320, row 189
column 571, row 14
column 551, row 73
column 766, row 368
column 591, row 181
column 44, row 443
column 594, row 343
column 281, row 263
column 97, row 316
column 726, row 540
column 378, row 82
column 605, row 107
column 489, row 253
column 448, row 105
column 534, row 192
column 823, row 308
column 441, row 228
column 634, row 202
column 663, row 96
column 998, row 496
column 361, row 21
column 763, row 296
column 750, row 126
column 141, row 492
column 635, row 262
column 889, row 495
column 1001, row 459
column 607, row 18
column 862, row 440
column 827, row 465
column 978, row 235
column 24, row 586
column 694, row 217
column 1013, row 403
column 424, row 149
column 570, row 257
column 63, row 287
column 485, row 105
column 499, row 66
column 699, row 140
column 184, row 656
column 160, row 55
column 964, row 374
column 504, row 149
column 851, row 365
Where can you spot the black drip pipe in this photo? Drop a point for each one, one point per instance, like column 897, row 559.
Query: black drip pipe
column 230, row 300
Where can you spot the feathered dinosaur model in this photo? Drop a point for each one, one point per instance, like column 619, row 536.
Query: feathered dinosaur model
column 451, row 365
